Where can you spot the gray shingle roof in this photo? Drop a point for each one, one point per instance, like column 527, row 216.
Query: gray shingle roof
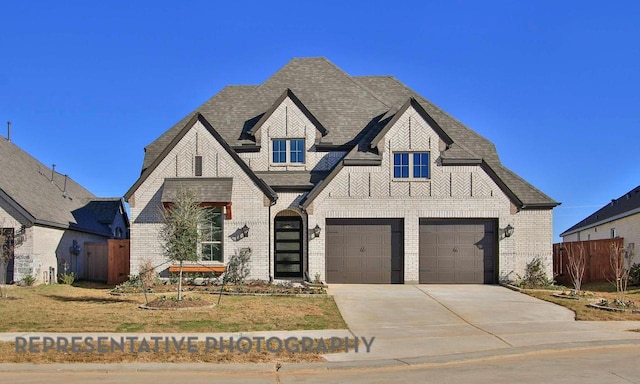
column 353, row 110
column 299, row 180
column 206, row 189
column 26, row 184
column 625, row 205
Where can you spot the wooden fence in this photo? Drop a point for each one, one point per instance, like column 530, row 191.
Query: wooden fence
column 118, row 261
column 598, row 266
column 107, row 262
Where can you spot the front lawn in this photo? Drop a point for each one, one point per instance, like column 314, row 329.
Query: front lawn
column 580, row 305
column 64, row 308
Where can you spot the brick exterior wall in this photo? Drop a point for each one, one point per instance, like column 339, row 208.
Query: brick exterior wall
column 248, row 204
column 451, row 192
column 356, row 192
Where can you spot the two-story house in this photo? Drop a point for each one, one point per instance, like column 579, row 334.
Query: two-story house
column 354, row 179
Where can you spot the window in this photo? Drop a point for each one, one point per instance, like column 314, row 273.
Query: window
column 418, row 162
column 279, row 151
column 401, row 165
column 198, row 166
column 296, row 151
column 211, row 235
column 614, row 233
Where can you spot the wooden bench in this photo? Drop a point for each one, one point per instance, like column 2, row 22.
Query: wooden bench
column 187, row 268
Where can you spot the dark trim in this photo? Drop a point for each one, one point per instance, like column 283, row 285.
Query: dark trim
column 362, row 162
column 327, row 147
column 461, row 161
column 288, row 93
column 15, row 205
column 198, row 117
column 412, row 102
column 246, row 148
column 292, row 188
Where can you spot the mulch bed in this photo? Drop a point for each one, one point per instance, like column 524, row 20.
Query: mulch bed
column 171, row 303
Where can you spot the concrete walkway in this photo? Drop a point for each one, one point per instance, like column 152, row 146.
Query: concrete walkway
column 411, row 321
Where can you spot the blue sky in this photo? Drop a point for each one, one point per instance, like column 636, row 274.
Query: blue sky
column 554, row 84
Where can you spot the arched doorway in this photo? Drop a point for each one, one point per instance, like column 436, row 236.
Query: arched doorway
column 288, row 246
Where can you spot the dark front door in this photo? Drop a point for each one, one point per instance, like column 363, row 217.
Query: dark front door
column 288, row 246
column 7, row 254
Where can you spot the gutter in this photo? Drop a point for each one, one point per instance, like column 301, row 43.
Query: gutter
column 601, row 222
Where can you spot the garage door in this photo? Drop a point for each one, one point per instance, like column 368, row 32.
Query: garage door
column 364, row 251
column 458, row 251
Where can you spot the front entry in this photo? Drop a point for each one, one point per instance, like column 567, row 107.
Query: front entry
column 288, row 246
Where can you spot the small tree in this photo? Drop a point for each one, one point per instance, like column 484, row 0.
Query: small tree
column 180, row 230
column 621, row 262
column 577, row 259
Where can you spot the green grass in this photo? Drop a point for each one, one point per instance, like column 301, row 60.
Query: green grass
column 64, row 308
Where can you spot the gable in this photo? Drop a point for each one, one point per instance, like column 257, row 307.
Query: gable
column 348, row 113
column 301, row 117
column 216, row 159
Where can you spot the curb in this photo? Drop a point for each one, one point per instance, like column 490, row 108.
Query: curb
column 292, row 367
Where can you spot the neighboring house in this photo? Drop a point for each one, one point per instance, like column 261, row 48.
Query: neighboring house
column 51, row 217
column 619, row 218
column 353, row 179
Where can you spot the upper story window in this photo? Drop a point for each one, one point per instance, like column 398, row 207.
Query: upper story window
column 290, row 151
column 411, row 165
column 614, row 233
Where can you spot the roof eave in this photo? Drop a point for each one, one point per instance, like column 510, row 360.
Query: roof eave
column 198, row 117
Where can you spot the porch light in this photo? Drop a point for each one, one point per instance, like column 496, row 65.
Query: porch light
column 508, row 231
column 316, row 231
column 245, row 231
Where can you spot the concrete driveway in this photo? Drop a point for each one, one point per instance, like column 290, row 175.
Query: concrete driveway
column 410, row 321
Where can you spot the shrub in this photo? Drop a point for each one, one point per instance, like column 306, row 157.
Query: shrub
column 634, row 274
column 148, row 275
column 238, row 268
column 28, row 280
column 67, row 278
column 535, row 275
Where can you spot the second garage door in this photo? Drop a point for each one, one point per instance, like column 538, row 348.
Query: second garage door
column 364, row 251
column 458, row 251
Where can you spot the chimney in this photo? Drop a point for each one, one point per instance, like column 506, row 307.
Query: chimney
column 53, row 172
column 8, row 131
column 64, row 190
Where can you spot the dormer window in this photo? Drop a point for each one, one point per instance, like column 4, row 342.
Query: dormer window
column 288, row 151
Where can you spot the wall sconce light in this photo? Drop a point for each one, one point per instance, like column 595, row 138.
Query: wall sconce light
column 74, row 249
column 508, row 231
column 21, row 236
column 316, row 231
column 244, row 231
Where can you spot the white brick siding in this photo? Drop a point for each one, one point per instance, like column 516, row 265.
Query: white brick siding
column 248, row 204
column 451, row 192
column 356, row 192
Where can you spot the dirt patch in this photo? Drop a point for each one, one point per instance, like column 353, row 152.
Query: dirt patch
column 169, row 303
